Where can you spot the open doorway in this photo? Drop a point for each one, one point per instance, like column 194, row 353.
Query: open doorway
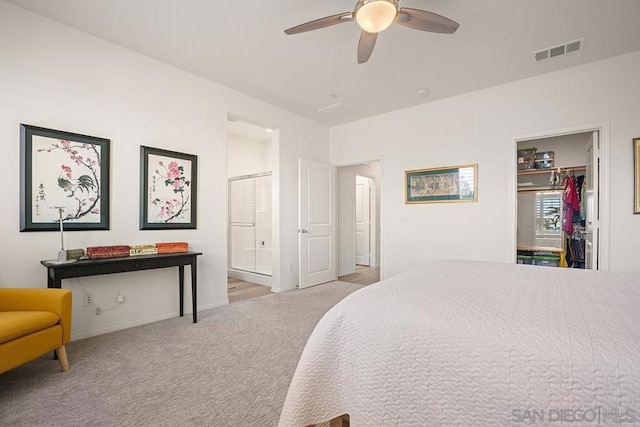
column 559, row 201
column 359, row 223
column 250, row 195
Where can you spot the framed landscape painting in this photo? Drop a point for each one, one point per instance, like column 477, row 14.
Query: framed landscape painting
column 168, row 189
column 67, row 170
column 438, row 185
column 636, row 170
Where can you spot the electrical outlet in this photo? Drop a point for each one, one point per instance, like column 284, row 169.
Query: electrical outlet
column 119, row 296
column 88, row 299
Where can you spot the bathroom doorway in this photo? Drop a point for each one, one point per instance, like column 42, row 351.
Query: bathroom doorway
column 250, row 196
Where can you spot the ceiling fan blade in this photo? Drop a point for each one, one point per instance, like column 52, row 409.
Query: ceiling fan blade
column 425, row 21
column 327, row 21
column 365, row 46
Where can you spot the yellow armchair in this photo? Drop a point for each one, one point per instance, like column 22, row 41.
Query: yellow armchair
column 32, row 323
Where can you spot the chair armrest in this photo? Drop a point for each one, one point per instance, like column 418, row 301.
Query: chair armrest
column 28, row 299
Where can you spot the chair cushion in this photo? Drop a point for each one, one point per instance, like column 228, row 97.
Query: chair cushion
column 15, row 324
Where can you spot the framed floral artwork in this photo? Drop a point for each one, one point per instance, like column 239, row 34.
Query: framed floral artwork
column 63, row 170
column 168, row 189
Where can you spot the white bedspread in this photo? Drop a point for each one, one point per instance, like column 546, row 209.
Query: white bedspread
column 476, row 344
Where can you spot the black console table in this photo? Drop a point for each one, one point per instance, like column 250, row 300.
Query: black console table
column 95, row 267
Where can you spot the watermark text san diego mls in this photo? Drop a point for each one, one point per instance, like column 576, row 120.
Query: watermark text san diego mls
column 596, row 415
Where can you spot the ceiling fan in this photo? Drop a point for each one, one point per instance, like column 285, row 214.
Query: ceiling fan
column 374, row 16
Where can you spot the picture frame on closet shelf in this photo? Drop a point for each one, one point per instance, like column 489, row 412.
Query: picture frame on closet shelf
column 168, row 189
column 636, row 173
column 65, row 171
column 442, row 185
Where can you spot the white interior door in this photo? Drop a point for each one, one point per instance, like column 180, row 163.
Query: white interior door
column 316, row 223
column 363, row 221
column 592, row 195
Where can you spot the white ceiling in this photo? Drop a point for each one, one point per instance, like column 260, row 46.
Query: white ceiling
column 241, row 44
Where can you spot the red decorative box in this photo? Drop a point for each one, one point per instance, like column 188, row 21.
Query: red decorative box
column 117, row 251
column 172, row 247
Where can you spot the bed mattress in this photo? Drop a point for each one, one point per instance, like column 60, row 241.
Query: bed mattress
column 463, row 343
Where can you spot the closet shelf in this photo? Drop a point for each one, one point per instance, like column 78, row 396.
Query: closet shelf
column 537, row 189
column 539, row 249
column 549, row 170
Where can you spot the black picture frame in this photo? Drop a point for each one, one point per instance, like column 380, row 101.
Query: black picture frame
column 168, row 189
column 59, row 168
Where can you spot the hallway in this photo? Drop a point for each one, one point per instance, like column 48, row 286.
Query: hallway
column 363, row 275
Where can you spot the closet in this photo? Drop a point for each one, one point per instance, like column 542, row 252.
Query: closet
column 250, row 198
column 555, row 201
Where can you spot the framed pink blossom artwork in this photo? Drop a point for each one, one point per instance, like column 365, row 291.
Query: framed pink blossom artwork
column 168, row 189
column 63, row 170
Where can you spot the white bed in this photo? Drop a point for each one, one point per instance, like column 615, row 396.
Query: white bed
column 463, row 343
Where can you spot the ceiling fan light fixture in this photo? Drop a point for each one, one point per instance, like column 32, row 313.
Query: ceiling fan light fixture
column 374, row 16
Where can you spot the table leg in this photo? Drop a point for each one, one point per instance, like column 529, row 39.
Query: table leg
column 181, row 280
column 51, row 283
column 194, row 288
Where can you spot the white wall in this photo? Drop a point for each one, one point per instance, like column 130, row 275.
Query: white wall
column 247, row 156
column 480, row 127
column 56, row 77
column 346, row 213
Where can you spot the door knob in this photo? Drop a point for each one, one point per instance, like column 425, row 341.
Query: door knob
column 303, row 231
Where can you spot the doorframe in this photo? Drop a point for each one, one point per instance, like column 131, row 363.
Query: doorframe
column 604, row 186
column 275, row 198
column 382, row 218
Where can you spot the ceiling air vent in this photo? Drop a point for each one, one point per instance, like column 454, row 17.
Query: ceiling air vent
column 336, row 111
column 561, row 50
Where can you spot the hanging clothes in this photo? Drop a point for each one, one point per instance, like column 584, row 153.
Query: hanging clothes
column 579, row 185
column 571, row 204
column 583, row 201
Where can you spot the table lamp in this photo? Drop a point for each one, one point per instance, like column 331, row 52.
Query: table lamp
column 62, row 253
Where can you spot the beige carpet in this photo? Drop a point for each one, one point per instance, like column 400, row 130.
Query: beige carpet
column 232, row 368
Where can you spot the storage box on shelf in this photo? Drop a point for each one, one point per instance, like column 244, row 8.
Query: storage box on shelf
column 526, row 158
column 544, row 160
column 546, row 257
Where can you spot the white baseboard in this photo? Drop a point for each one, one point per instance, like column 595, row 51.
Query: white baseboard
column 143, row 321
column 260, row 279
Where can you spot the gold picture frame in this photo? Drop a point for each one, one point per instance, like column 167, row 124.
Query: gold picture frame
column 442, row 185
column 636, row 174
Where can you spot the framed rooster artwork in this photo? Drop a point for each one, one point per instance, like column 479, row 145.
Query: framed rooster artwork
column 63, row 170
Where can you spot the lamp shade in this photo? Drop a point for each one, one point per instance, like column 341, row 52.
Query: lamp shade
column 374, row 16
